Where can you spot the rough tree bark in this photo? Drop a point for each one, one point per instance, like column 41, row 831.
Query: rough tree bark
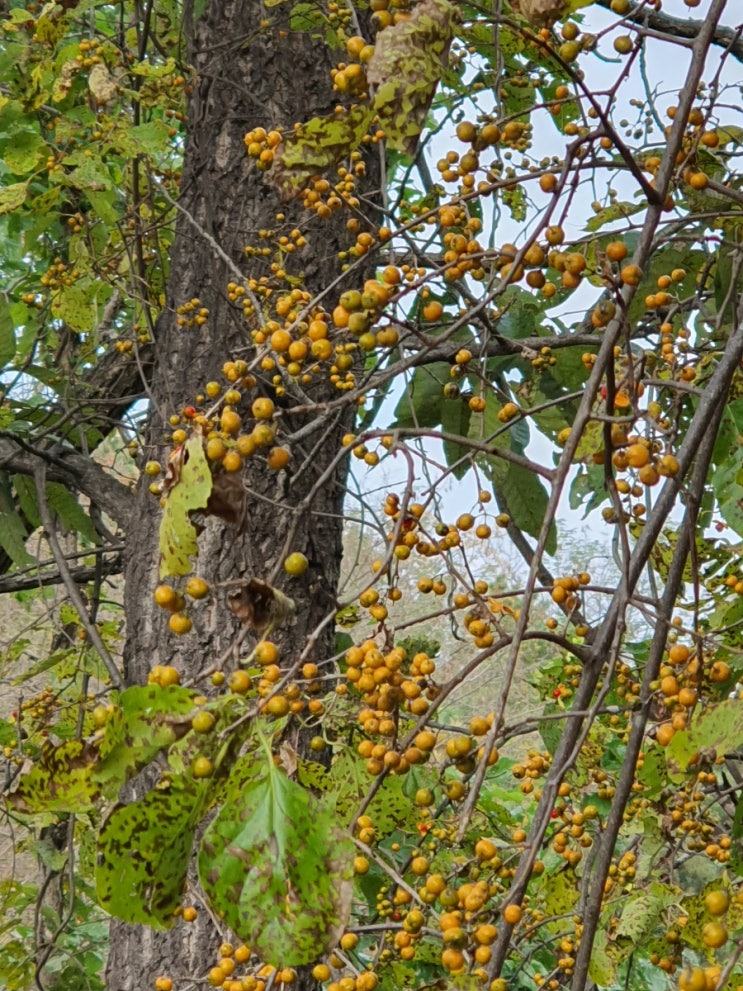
column 247, row 75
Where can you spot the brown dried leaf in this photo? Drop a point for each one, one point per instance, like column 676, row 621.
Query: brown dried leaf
column 227, row 499
column 259, row 605
column 538, row 12
column 102, row 85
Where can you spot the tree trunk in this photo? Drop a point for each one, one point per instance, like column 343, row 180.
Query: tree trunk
column 247, row 75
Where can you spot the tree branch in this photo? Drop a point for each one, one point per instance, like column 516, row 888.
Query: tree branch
column 72, row 469
column 80, row 576
column 72, row 589
column 683, row 27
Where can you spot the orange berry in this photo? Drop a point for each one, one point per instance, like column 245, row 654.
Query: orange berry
column 512, row 914
column 432, row 311
column 232, row 461
column 263, row 408
column 179, row 623
column 616, row 251
column 678, row 654
column 266, row 652
column 637, row 455
column 717, row 902
column 631, row 275
column 664, row 734
column 720, row 671
column 714, row 934
column 229, row 420
column 167, row 598
column 278, row 458
column 547, row 182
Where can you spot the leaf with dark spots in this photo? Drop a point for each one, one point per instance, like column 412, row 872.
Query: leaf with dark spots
column 61, row 780
column 277, row 869
column 189, row 491
column 409, row 59
column 143, row 854
column 146, row 720
column 316, row 146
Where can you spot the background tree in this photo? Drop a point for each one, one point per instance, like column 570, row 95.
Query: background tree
column 229, row 211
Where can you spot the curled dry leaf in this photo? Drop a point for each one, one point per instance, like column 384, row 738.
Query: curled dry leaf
column 538, row 12
column 102, row 85
column 227, row 499
column 259, row 605
column 63, row 82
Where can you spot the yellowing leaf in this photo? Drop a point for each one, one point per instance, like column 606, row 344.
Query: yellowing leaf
column 716, row 729
column 61, row 780
column 12, row 197
column 316, row 146
column 71, row 304
column 143, row 853
column 101, row 84
column 63, row 82
column 409, row 59
column 190, row 491
column 25, row 152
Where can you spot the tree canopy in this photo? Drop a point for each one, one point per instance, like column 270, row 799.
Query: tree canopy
column 435, row 278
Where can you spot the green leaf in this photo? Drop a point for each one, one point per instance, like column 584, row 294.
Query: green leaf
column 191, row 491
column 143, row 854
column 8, row 732
column 7, row 333
column 71, row 304
column 736, row 835
column 46, row 664
column 522, row 314
column 152, row 138
column 643, row 910
column 277, row 869
column 103, row 204
column 455, row 419
column 25, row 491
column 652, row 773
column 617, row 210
column 13, row 533
column 728, row 460
column 389, row 807
column 421, row 403
column 561, row 892
column 664, row 260
column 602, row 969
column 522, row 495
column 60, row 781
column 91, row 176
column 24, row 152
column 145, row 720
column 551, row 730
column 317, row 145
column 13, row 196
column 69, row 511
column 718, row 728
column 408, row 62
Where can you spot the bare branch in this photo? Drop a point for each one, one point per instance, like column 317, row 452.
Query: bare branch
column 72, row 589
column 683, row 27
column 62, row 464
column 42, row 579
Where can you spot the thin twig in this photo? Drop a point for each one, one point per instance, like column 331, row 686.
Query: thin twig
column 67, row 580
